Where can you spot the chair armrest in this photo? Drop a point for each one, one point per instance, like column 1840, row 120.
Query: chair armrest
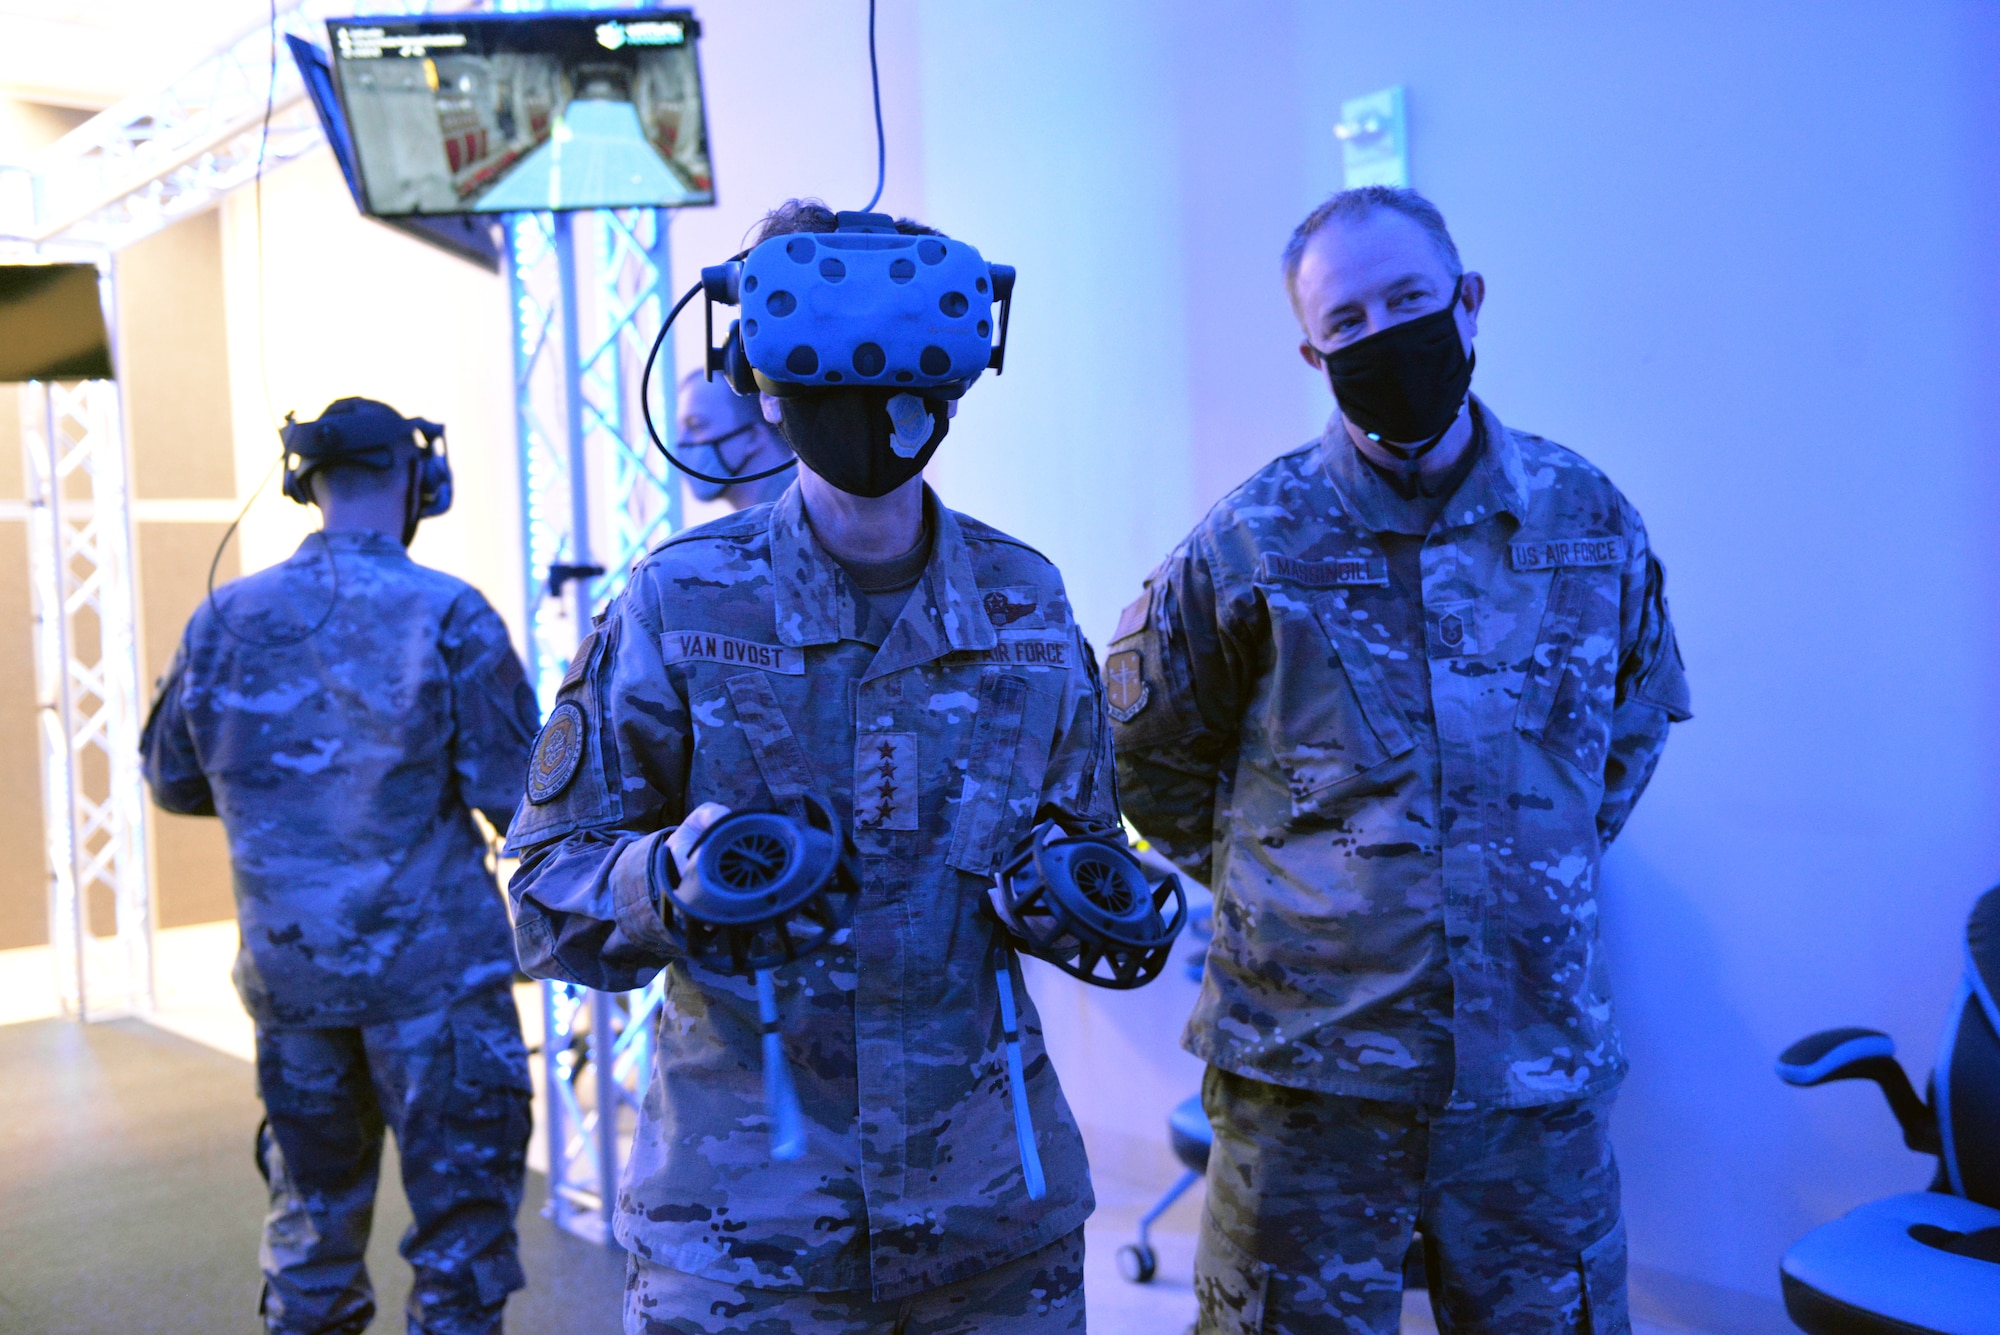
column 1862, row 1054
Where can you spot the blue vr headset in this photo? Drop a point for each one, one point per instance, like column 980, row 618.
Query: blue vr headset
column 861, row 305
column 364, row 433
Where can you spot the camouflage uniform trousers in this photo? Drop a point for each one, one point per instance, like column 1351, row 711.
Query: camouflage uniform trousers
column 1312, row 1200
column 1038, row 1294
column 453, row 1086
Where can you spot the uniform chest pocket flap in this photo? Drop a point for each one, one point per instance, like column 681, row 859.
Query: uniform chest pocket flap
column 1568, row 690
column 1007, row 757
column 1333, row 730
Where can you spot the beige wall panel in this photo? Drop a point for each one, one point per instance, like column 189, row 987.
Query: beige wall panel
column 24, row 881
column 175, row 362
column 190, row 856
column 13, row 479
column 352, row 307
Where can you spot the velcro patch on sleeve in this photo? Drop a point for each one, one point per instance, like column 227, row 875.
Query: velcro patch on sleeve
column 683, row 646
column 1125, row 688
column 1133, row 619
column 1554, row 552
column 1340, row 572
column 558, row 751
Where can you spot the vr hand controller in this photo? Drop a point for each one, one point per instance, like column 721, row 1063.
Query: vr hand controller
column 1082, row 902
column 744, row 892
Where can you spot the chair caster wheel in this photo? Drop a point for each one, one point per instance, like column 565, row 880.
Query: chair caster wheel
column 1137, row 1261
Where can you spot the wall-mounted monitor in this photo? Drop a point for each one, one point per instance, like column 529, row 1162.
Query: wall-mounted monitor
column 466, row 235
column 500, row 113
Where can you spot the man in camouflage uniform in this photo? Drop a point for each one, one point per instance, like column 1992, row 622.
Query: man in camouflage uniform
column 1392, row 702
column 344, row 713
column 921, row 673
column 722, row 433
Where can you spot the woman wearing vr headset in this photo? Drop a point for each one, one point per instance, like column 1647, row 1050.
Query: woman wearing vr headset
column 856, row 644
column 344, row 713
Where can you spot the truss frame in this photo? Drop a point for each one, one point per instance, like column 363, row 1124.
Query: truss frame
column 84, row 582
column 589, row 291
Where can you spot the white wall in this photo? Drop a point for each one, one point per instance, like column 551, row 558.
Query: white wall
column 350, row 307
column 1742, row 257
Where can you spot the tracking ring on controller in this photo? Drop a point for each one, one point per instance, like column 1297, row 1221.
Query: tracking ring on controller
column 762, row 889
column 1083, row 903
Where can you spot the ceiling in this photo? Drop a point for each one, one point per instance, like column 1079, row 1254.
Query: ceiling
column 90, row 53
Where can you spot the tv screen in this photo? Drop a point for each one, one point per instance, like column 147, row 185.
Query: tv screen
column 522, row 112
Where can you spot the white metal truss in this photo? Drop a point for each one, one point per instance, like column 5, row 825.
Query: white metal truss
column 589, row 291
column 169, row 153
column 90, row 707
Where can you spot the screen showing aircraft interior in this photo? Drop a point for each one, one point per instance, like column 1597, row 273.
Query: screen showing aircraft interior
column 506, row 113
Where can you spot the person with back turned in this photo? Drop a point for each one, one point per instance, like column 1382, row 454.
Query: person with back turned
column 1393, row 698
column 345, row 713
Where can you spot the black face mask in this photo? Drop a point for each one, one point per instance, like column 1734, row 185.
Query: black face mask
column 846, row 436
column 1405, row 384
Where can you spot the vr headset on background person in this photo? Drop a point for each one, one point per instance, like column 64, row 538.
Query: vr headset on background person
column 363, row 433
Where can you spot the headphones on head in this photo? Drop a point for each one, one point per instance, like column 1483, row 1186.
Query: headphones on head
column 364, row 433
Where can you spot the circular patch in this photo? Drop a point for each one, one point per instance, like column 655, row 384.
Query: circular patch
column 557, row 752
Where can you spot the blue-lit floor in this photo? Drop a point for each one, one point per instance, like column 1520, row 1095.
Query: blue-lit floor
column 597, row 157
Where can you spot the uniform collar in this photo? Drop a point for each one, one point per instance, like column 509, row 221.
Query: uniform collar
column 944, row 611
column 1497, row 483
column 359, row 541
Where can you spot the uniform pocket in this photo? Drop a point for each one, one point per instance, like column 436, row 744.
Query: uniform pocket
column 1229, row 1285
column 1605, row 1311
column 1568, row 690
column 489, row 1057
column 1334, row 722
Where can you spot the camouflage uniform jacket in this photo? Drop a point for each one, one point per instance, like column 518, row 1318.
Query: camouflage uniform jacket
column 345, row 767
column 731, row 670
column 1401, row 796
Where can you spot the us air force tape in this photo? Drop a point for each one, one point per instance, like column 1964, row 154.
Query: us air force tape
column 558, row 752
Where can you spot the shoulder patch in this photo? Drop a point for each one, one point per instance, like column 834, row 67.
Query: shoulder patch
column 681, row 646
column 1341, row 571
column 558, row 752
column 1125, row 688
column 1568, row 552
column 1133, row 619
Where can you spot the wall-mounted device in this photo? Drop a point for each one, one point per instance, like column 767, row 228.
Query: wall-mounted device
column 1374, row 140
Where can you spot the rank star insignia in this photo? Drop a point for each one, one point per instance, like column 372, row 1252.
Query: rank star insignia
column 558, row 750
column 1125, row 688
column 885, row 781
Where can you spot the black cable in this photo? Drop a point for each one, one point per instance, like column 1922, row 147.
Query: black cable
column 646, row 404
column 223, row 546
column 646, row 376
column 881, row 144
column 264, row 373
column 263, row 144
